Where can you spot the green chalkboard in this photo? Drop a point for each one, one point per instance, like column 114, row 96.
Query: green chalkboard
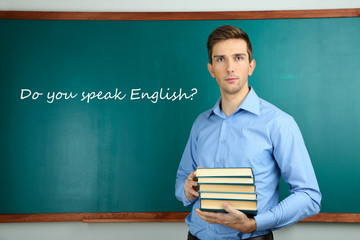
column 118, row 150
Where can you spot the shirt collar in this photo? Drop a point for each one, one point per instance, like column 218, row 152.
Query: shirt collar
column 251, row 103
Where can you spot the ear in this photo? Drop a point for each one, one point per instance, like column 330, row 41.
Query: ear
column 211, row 70
column 252, row 66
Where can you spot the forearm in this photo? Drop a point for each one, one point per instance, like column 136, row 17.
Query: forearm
column 297, row 171
column 248, row 227
column 297, row 206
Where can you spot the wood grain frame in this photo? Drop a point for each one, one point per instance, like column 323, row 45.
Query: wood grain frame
column 135, row 16
column 234, row 15
column 146, row 217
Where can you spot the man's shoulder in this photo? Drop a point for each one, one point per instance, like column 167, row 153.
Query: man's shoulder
column 273, row 113
column 276, row 119
column 202, row 119
column 204, row 115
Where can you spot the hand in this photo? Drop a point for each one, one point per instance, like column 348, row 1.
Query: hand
column 234, row 219
column 191, row 187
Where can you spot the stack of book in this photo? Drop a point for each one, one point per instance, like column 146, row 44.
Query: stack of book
column 235, row 186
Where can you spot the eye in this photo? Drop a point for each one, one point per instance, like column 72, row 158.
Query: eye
column 239, row 58
column 220, row 59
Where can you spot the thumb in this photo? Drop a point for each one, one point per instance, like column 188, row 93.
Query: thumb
column 230, row 209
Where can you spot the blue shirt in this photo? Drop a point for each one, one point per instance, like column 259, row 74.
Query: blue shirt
column 260, row 136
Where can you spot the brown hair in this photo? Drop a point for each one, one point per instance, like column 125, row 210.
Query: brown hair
column 227, row 32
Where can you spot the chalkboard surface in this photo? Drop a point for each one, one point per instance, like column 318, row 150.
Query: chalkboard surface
column 95, row 114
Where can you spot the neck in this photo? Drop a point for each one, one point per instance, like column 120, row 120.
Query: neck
column 231, row 102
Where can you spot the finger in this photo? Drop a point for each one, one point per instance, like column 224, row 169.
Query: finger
column 190, row 188
column 191, row 183
column 196, row 170
column 209, row 220
column 206, row 217
column 192, row 192
column 211, row 215
column 192, row 176
column 229, row 208
column 233, row 211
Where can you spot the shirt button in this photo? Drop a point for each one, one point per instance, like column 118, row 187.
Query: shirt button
column 223, row 141
column 211, row 226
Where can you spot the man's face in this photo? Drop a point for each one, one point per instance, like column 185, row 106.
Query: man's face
column 231, row 67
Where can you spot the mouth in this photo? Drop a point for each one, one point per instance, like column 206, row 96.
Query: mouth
column 230, row 79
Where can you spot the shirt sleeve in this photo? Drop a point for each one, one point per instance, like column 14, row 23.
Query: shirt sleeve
column 296, row 169
column 186, row 166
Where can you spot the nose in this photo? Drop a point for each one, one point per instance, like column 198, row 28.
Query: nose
column 230, row 66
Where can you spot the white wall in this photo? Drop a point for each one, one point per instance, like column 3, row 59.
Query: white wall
column 160, row 231
column 166, row 5
column 166, row 231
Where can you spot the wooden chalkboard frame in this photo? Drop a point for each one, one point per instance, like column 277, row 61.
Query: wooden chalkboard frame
column 146, row 217
column 231, row 15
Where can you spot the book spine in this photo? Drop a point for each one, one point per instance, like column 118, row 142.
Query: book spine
column 229, row 176
column 237, row 193
column 249, row 213
column 241, row 184
column 227, row 199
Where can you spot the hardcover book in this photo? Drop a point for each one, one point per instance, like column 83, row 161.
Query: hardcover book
column 225, row 180
column 224, row 172
column 216, row 205
column 239, row 188
column 228, row 195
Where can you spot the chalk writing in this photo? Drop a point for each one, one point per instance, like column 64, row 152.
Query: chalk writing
column 89, row 96
column 135, row 94
column 34, row 96
column 51, row 96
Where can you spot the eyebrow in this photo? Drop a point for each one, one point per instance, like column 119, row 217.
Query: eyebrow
column 234, row 55
column 240, row 54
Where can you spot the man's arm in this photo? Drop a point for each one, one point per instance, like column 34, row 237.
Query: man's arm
column 186, row 184
column 296, row 169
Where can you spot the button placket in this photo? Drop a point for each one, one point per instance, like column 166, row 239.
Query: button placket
column 219, row 160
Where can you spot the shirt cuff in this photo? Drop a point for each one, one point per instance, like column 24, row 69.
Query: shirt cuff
column 186, row 200
column 265, row 221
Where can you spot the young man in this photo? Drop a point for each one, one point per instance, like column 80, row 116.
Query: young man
column 243, row 130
